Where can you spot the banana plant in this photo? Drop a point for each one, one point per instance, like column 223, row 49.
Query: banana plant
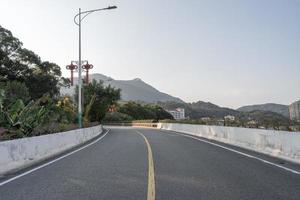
column 21, row 119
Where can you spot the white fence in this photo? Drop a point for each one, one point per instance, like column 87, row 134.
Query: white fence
column 280, row 144
column 19, row 153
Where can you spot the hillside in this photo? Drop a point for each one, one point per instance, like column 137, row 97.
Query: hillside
column 200, row 109
column 131, row 90
column 272, row 107
column 138, row 90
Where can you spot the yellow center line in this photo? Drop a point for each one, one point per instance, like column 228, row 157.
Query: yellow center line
column 151, row 181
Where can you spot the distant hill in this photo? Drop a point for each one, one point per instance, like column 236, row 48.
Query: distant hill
column 272, row 107
column 134, row 90
column 207, row 109
column 138, row 90
column 263, row 115
column 200, row 109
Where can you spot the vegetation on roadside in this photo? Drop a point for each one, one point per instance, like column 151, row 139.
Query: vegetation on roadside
column 30, row 100
column 98, row 99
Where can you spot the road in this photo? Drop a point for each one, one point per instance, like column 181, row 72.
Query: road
column 130, row 163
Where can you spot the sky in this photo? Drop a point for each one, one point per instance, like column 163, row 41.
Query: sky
column 228, row 52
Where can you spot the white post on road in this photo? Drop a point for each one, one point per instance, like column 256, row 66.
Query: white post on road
column 86, row 13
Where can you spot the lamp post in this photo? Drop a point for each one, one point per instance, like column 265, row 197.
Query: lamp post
column 81, row 16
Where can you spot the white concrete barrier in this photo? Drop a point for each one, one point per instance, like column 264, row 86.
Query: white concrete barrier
column 19, row 153
column 281, row 144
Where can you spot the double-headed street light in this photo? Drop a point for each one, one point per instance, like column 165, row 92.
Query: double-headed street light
column 81, row 16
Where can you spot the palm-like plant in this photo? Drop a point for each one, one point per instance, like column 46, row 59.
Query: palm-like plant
column 21, row 119
column 88, row 109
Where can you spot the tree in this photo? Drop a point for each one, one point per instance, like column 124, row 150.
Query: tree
column 148, row 111
column 160, row 113
column 44, row 79
column 15, row 90
column 117, row 117
column 22, row 65
column 103, row 96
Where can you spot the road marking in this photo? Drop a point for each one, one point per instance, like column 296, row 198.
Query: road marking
column 52, row 161
column 238, row 152
column 151, row 180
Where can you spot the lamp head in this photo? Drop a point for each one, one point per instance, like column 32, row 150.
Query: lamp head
column 111, row 7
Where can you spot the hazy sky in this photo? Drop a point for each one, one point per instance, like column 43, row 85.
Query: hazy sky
column 229, row 52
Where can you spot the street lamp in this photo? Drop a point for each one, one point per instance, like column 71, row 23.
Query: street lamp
column 78, row 23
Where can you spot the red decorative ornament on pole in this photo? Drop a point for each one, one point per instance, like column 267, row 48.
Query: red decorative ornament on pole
column 72, row 67
column 87, row 67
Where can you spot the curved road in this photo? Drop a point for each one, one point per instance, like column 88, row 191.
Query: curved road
column 130, row 163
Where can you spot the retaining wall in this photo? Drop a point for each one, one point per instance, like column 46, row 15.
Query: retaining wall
column 19, row 153
column 280, row 144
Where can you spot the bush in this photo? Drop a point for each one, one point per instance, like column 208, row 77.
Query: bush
column 66, row 110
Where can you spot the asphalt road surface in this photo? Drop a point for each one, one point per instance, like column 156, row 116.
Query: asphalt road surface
column 130, row 163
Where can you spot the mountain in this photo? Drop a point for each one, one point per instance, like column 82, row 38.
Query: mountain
column 131, row 90
column 272, row 107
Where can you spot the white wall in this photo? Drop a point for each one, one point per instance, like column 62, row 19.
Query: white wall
column 15, row 154
column 280, row 144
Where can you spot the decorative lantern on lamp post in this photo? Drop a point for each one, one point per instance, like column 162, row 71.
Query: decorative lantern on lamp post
column 72, row 67
column 87, row 67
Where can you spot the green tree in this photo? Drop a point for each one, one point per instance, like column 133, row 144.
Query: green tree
column 148, row 111
column 15, row 90
column 104, row 97
column 22, row 65
column 117, row 117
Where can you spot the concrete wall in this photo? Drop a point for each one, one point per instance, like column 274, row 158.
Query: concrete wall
column 19, row 153
column 280, row 144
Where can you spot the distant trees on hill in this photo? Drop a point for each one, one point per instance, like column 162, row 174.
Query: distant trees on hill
column 199, row 110
column 136, row 111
